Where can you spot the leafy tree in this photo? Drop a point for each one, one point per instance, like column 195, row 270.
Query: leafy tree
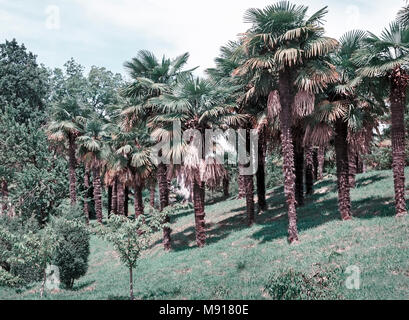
column 130, row 237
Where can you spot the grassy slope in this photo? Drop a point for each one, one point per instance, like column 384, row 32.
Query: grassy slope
column 238, row 260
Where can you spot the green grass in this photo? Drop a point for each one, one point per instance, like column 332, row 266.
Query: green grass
column 238, row 261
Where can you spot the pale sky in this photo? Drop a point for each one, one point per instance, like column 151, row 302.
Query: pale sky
column 108, row 32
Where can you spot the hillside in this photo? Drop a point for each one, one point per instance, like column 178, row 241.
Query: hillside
column 238, row 260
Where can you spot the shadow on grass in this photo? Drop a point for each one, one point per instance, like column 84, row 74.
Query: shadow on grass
column 82, row 285
column 274, row 221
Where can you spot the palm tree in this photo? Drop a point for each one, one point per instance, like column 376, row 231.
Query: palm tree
column 92, row 151
column 150, row 77
column 386, row 58
column 291, row 47
column 199, row 104
column 67, row 120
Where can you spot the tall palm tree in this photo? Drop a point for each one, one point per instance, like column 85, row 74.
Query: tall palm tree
column 67, row 120
column 199, row 104
column 92, row 151
column 284, row 41
column 150, row 77
column 386, row 58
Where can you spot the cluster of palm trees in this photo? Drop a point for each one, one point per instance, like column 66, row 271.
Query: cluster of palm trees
column 300, row 90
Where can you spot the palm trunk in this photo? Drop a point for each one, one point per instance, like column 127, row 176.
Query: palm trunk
column 352, row 167
column 309, row 170
column 97, row 193
column 321, row 161
column 226, row 187
column 341, row 150
column 164, row 202
column 261, row 174
column 299, row 174
column 398, row 100
column 286, row 100
column 109, row 201
column 126, row 201
column 152, row 195
column 121, row 199
column 242, row 189
column 360, row 167
column 249, row 186
column 114, row 205
column 138, row 188
column 86, row 186
column 72, row 163
column 198, row 197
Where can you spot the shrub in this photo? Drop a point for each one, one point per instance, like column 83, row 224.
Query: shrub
column 73, row 250
column 295, row 285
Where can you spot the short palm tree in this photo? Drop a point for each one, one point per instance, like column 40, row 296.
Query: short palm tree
column 386, row 58
column 92, row 151
column 67, row 121
column 199, row 104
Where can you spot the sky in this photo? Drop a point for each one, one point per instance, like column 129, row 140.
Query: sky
column 106, row 33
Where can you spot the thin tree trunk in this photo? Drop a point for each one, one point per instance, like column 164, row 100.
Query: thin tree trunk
column 86, row 186
column 309, row 170
column 226, row 187
column 321, row 161
column 198, row 197
column 341, row 150
column 97, row 193
column 4, row 196
column 398, row 100
column 359, row 165
column 352, row 167
column 126, row 201
column 109, row 201
column 152, row 194
column 72, row 163
column 121, row 199
column 114, row 205
column 286, row 100
column 131, row 284
column 164, row 202
column 43, row 283
column 261, row 173
column 138, row 188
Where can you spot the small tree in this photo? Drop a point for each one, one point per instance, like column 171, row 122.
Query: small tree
column 130, row 236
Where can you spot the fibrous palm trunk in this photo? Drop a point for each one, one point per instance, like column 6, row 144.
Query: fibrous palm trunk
column 109, row 201
column 86, row 186
column 297, row 134
column 114, row 205
column 226, row 186
column 97, row 192
column 321, row 161
column 164, row 202
column 198, row 201
column 261, row 173
column 121, row 199
column 341, row 150
column 138, row 202
column 399, row 82
column 126, row 201
column 152, row 195
column 249, row 186
column 286, row 100
column 242, row 189
column 352, row 163
column 72, row 163
column 309, row 170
